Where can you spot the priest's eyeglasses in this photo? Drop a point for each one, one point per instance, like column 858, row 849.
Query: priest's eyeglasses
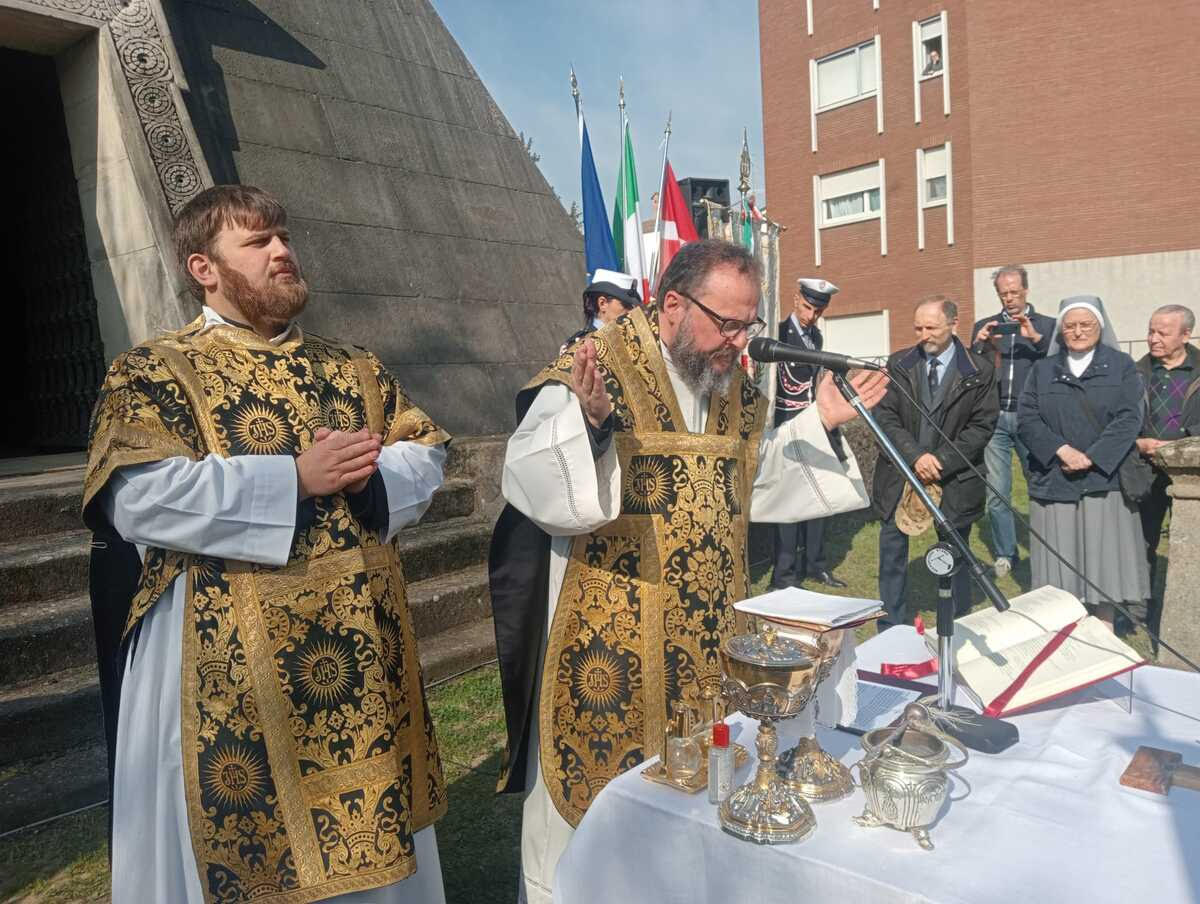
column 728, row 326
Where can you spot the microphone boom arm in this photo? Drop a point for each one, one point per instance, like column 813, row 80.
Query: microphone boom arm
column 997, row 599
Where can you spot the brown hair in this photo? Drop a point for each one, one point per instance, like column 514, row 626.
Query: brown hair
column 214, row 209
column 690, row 266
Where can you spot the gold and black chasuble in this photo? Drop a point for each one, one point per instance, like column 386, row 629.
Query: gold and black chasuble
column 308, row 750
column 647, row 598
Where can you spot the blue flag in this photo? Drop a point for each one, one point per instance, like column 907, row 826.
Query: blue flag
column 597, row 234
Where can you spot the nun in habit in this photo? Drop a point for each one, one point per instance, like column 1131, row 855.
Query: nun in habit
column 1079, row 415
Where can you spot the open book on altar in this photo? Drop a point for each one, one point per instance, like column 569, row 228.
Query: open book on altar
column 1045, row 646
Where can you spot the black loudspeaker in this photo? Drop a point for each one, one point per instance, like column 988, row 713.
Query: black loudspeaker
column 695, row 190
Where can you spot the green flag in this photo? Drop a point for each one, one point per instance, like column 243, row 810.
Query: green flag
column 627, row 223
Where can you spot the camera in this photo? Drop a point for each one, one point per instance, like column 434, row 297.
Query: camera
column 1006, row 328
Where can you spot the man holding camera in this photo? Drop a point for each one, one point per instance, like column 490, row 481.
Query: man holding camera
column 1012, row 341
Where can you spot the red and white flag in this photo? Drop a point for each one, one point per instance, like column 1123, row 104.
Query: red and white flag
column 676, row 227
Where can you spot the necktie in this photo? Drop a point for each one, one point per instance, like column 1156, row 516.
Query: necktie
column 933, row 377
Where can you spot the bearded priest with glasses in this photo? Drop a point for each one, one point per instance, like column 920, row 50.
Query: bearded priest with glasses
column 639, row 460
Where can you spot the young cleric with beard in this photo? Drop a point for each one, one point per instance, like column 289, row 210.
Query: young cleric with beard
column 639, row 459
column 273, row 739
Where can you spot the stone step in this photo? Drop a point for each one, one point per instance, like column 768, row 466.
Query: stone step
column 44, row 567
column 44, row 636
column 449, row 600
column 60, row 711
column 438, row 549
column 454, row 499
column 33, row 504
column 51, row 786
column 449, row 653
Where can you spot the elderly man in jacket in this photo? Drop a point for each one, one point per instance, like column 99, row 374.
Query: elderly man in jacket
column 1171, row 376
column 957, row 389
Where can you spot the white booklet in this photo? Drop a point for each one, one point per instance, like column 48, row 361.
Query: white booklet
column 794, row 604
column 1045, row 646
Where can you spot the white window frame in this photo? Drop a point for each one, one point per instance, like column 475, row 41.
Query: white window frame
column 947, row 202
column 921, row 50
column 814, row 88
column 865, row 190
column 918, row 52
column 862, row 95
column 819, row 221
column 808, row 14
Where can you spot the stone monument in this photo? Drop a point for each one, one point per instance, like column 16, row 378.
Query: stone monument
column 1180, row 626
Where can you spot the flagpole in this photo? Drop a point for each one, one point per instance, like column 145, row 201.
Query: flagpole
column 744, row 181
column 662, row 184
column 621, row 115
column 578, row 104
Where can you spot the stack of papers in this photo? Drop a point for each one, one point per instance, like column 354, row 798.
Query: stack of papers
column 794, row 604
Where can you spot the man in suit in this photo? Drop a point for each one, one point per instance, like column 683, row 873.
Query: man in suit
column 800, row 548
column 958, row 389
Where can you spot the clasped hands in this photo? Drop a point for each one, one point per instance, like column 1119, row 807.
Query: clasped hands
column 588, row 386
column 1073, row 461
column 338, row 461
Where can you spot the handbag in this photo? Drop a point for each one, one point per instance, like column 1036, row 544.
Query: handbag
column 1135, row 475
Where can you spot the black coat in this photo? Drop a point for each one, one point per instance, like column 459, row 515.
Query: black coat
column 967, row 415
column 795, row 384
column 1016, row 354
column 1052, row 413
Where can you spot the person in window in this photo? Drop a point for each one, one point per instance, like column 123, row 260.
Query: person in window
column 1079, row 415
column 933, row 63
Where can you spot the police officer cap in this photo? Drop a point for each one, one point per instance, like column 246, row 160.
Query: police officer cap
column 817, row 291
column 620, row 286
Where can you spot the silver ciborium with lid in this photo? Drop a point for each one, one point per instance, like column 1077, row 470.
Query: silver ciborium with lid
column 768, row 678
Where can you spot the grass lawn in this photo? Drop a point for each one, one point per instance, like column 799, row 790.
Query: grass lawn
column 479, row 839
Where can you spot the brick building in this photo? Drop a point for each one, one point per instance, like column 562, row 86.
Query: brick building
column 1059, row 135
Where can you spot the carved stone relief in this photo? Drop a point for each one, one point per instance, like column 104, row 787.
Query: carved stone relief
column 146, row 64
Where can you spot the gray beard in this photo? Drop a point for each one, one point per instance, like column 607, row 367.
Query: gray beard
column 695, row 366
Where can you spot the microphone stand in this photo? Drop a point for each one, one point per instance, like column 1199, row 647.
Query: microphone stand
column 976, row 731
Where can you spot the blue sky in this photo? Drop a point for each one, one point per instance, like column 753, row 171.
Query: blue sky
column 697, row 58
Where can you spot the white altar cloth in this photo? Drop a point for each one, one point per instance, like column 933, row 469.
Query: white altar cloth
column 1046, row 820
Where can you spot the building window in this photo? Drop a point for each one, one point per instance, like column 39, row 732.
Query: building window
column 850, row 196
column 935, row 188
column 846, row 76
column 860, row 335
column 935, row 177
column 932, row 51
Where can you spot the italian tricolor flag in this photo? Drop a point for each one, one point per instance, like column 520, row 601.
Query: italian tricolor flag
column 627, row 219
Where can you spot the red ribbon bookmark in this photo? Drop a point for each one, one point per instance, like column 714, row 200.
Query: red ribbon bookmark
column 996, row 707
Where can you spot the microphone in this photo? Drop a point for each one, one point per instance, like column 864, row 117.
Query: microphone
column 767, row 350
